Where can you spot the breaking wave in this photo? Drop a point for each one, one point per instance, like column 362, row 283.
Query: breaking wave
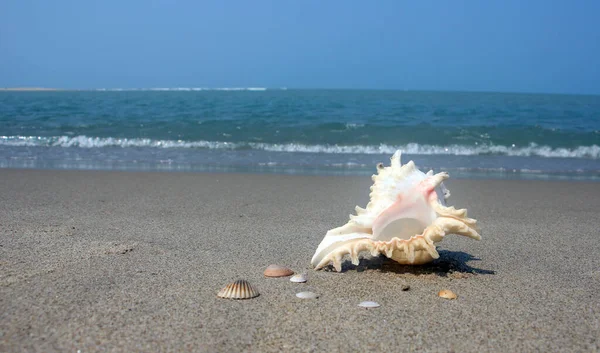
column 590, row 152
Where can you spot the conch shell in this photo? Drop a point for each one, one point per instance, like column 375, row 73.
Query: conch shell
column 404, row 219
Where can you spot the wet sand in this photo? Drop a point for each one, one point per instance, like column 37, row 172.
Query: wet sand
column 125, row 262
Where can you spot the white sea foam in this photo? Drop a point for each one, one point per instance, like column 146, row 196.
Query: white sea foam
column 457, row 150
column 99, row 142
column 532, row 149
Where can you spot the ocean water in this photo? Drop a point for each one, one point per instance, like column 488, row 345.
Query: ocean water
column 489, row 135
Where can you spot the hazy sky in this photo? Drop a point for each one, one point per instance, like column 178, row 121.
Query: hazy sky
column 522, row 46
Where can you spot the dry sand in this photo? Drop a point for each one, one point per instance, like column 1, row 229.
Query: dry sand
column 125, row 262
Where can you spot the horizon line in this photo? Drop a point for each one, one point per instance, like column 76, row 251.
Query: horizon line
column 258, row 88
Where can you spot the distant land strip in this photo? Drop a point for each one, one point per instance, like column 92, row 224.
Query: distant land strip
column 30, row 89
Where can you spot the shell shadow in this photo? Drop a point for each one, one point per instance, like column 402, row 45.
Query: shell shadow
column 449, row 263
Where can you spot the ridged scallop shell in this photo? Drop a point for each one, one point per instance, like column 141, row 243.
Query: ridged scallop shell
column 405, row 218
column 239, row 289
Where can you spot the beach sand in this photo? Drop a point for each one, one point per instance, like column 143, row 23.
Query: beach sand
column 125, row 261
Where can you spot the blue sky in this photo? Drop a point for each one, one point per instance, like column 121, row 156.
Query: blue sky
column 516, row 46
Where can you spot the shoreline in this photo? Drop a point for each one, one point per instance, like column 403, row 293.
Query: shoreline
column 322, row 172
column 132, row 261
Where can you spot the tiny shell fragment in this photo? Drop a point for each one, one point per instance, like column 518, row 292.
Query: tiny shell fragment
column 299, row 278
column 447, row 294
column 307, row 295
column 239, row 289
column 278, row 271
column 368, row 304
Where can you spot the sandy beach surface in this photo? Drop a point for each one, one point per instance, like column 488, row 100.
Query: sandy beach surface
column 131, row 262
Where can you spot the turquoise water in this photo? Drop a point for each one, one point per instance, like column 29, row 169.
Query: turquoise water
column 302, row 131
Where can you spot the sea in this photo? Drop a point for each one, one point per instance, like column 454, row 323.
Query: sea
column 293, row 131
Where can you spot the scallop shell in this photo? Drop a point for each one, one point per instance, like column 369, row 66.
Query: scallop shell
column 369, row 304
column 307, row 295
column 405, row 218
column 447, row 294
column 239, row 289
column 277, row 271
column 299, row 278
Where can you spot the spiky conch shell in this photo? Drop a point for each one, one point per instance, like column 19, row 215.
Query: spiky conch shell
column 239, row 289
column 419, row 198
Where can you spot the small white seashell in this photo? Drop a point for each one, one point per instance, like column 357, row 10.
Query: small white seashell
column 239, row 289
column 307, row 295
column 299, row 278
column 368, row 304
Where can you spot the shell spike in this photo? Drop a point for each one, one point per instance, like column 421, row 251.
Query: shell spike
column 432, row 251
column 429, row 246
column 445, row 191
column 396, row 160
column 411, row 253
column 440, row 177
column 337, row 262
column 354, row 257
column 389, row 251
